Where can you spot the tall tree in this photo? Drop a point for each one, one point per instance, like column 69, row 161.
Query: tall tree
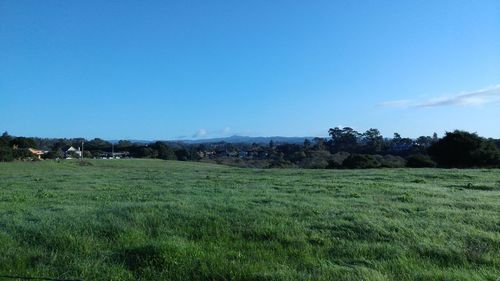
column 374, row 141
column 463, row 149
column 345, row 139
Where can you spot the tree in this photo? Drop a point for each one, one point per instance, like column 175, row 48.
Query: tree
column 291, row 152
column 55, row 153
column 60, row 144
column 374, row 141
column 22, row 142
column 5, row 139
column 182, row 154
column 345, row 139
column 22, row 153
column 271, row 144
column 164, row 152
column 396, row 138
column 462, row 149
column 319, row 144
column 307, row 144
column 146, row 152
column 435, row 137
column 96, row 144
column 424, row 141
column 123, row 144
column 6, row 154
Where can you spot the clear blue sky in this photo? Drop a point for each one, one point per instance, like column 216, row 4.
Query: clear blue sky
column 171, row 69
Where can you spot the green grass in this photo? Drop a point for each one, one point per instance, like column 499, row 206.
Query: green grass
column 159, row 220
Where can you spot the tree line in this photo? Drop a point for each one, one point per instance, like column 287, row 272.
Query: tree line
column 344, row 148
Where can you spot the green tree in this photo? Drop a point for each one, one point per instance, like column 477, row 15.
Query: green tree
column 55, row 153
column 345, row 139
column 22, row 142
column 373, row 141
column 463, row 149
column 6, row 154
column 164, row 151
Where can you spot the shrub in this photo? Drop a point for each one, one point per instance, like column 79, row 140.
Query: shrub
column 87, row 154
column 6, row 154
column 337, row 159
column 420, row 161
column 182, row 154
column 391, row 161
column 361, row 161
column 54, row 154
column 316, row 160
column 22, row 153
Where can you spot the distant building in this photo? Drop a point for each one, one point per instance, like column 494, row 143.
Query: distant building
column 37, row 153
column 72, row 151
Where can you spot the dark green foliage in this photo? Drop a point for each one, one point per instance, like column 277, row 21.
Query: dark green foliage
column 278, row 161
column 420, row 161
column 337, row 159
column 22, row 153
column 391, row 161
column 6, row 154
column 316, row 160
column 291, row 152
column 369, row 150
column 345, row 139
column 22, row 142
column 461, row 149
column 361, row 161
column 164, row 151
column 145, row 152
column 182, row 154
column 87, row 154
column 55, row 154
column 374, row 142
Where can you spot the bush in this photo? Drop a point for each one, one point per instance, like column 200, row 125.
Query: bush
column 54, row 154
column 420, row 161
column 361, row 161
column 337, row 159
column 6, row 154
column 391, row 161
column 22, row 153
column 280, row 163
column 87, row 154
column 316, row 160
column 182, row 154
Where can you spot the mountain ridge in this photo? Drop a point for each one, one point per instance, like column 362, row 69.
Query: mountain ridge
column 231, row 139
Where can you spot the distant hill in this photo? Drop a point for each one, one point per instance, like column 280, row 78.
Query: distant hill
column 133, row 141
column 232, row 139
column 244, row 139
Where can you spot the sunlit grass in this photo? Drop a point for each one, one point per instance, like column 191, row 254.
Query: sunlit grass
column 159, row 220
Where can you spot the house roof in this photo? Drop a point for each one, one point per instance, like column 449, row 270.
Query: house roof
column 36, row 151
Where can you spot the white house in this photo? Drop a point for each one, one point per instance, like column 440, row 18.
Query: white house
column 71, row 150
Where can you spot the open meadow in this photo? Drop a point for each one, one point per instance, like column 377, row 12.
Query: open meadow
column 172, row 220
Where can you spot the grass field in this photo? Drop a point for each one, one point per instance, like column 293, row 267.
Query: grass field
column 159, row 220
